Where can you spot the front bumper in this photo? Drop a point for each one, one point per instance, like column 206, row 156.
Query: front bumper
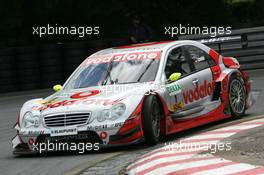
column 41, row 142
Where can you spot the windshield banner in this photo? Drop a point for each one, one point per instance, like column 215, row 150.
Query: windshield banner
column 122, row 57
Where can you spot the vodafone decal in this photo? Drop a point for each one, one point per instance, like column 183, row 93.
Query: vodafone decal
column 122, row 57
column 84, row 101
column 85, row 94
column 199, row 92
column 78, row 98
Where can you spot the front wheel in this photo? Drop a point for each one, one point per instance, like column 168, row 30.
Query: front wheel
column 237, row 96
column 151, row 115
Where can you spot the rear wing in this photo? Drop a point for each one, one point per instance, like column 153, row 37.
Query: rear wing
column 217, row 43
column 247, row 45
column 220, row 41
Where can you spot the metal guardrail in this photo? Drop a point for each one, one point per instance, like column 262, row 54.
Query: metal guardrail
column 41, row 66
column 247, row 45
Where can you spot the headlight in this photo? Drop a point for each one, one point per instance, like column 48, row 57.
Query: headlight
column 113, row 113
column 30, row 120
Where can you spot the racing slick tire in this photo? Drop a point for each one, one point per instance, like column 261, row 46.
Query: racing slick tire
column 151, row 115
column 237, row 96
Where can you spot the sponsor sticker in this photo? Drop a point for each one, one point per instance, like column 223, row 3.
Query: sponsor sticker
column 200, row 59
column 45, row 102
column 63, row 131
column 200, row 91
column 84, row 101
column 97, row 127
column 117, row 125
column 105, row 126
column 177, row 106
column 122, row 57
column 86, row 94
column 173, row 88
column 32, row 132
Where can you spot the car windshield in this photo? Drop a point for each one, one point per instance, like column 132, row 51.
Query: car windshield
column 115, row 69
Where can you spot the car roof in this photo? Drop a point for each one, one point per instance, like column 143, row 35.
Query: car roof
column 145, row 47
column 142, row 47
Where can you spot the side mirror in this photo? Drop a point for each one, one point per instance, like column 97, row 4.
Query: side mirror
column 175, row 76
column 57, row 87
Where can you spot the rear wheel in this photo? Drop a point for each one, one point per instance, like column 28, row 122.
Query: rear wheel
column 151, row 115
column 237, row 96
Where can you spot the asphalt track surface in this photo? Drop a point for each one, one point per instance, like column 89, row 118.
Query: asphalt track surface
column 60, row 163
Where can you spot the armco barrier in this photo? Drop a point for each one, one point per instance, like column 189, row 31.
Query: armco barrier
column 247, row 45
column 7, row 70
column 27, row 68
column 41, row 66
column 51, row 65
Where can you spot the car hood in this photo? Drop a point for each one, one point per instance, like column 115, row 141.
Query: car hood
column 92, row 98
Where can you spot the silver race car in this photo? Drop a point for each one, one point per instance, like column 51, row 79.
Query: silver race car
column 135, row 93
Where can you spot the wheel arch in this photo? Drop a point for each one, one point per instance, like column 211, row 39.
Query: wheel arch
column 221, row 90
column 221, row 83
column 165, row 112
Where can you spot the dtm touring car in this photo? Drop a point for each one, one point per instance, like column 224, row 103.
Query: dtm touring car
column 128, row 94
